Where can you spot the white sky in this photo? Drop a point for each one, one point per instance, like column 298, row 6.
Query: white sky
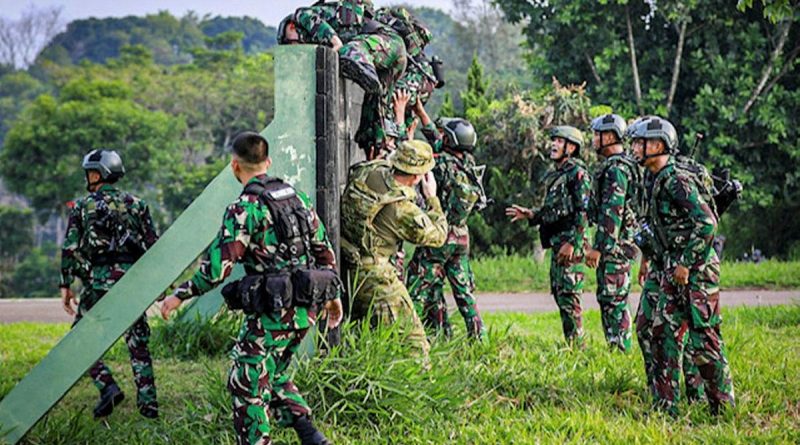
column 269, row 11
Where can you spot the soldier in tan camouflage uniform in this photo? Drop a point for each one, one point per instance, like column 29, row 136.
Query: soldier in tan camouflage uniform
column 378, row 213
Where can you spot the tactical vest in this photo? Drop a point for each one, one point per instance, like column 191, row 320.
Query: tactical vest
column 701, row 178
column 634, row 193
column 363, row 205
column 415, row 35
column 111, row 233
column 447, row 162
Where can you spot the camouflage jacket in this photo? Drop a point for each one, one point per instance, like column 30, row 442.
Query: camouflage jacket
column 378, row 214
column 457, row 191
column 320, row 23
column 106, row 232
column 683, row 223
column 248, row 236
column 564, row 216
column 614, row 207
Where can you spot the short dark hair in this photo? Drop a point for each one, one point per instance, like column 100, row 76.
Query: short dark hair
column 251, row 147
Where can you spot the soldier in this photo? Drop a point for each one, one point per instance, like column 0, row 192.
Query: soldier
column 650, row 270
column 370, row 53
column 275, row 233
column 107, row 232
column 684, row 225
column 378, row 213
column 616, row 185
column 564, row 222
column 459, row 190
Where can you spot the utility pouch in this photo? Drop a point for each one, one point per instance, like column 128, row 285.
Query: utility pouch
column 259, row 294
column 314, row 286
column 278, row 292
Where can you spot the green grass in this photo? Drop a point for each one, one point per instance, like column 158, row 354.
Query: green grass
column 515, row 273
column 521, row 387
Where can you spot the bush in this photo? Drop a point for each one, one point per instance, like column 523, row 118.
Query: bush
column 36, row 276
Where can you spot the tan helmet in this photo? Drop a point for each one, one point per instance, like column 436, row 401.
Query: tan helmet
column 413, row 157
column 569, row 133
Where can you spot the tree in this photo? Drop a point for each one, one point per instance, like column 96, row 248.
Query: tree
column 16, row 240
column 22, row 39
column 17, row 89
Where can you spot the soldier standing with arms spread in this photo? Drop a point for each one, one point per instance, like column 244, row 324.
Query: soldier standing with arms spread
column 107, row 232
column 458, row 191
column 616, row 186
column 275, row 233
column 379, row 213
column 684, row 226
column 564, row 222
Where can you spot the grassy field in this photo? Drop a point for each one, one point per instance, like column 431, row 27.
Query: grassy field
column 514, row 273
column 521, row 387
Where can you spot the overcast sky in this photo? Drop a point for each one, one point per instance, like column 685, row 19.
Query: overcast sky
column 269, row 11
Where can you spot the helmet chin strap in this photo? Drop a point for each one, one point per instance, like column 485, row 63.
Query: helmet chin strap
column 90, row 185
column 646, row 156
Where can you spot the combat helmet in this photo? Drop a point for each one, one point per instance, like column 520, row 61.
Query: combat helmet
column 413, row 157
column 571, row 134
column 107, row 162
column 460, row 133
column 610, row 122
column 655, row 127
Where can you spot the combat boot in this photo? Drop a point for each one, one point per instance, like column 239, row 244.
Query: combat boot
column 362, row 73
column 110, row 396
column 308, row 434
column 149, row 411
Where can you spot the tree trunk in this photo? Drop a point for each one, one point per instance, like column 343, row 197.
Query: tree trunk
column 637, row 88
column 676, row 67
column 768, row 68
column 593, row 68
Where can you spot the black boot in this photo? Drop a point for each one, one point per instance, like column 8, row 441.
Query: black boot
column 110, row 396
column 363, row 74
column 149, row 411
column 308, row 434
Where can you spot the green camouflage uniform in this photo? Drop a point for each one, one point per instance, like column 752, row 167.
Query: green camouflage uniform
column 564, row 219
column 430, row 265
column 258, row 381
column 382, row 48
column 614, row 213
column 378, row 214
column 684, row 226
column 100, row 256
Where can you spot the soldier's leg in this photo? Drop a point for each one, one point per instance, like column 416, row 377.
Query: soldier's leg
column 391, row 304
column 613, row 286
column 425, row 283
column 99, row 372
column 644, row 324
column 357, row 63
column 705, row 335
column 137, row 339
column 669, row 331
column 459, row 273
column 566, row 284
column 286, row 404
column 692, row 380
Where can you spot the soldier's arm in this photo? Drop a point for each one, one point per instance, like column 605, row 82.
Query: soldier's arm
column 684, row 194
column 315, row 23
column 412, row 224
column 432, row 135
column 222, row 254
column 581, row 188
column 611, row 207
column 71, row 260
column 462, row 199
column 149, row 234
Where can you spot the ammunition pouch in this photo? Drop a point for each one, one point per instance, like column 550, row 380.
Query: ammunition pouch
column 547, row 230
column 313, row 287
column 111, row 258
column 272, row 292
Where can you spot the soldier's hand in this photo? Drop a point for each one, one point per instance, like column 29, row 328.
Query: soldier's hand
column 644, row 267
column 681, row 275
column 428, row 185
column 564, row 256
column 334, row 311
column 336, row 43
column 400, row 100
column 168, row 305
column 412, row 128
column 518, row 212
column 67, row 300
column 593, row 258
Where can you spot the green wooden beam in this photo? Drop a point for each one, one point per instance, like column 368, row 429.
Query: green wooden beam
column 291, row 135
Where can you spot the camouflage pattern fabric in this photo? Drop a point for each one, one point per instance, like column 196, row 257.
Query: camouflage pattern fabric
column 564, row 219
column 615, row 216
column 685, row 226
column 266, row 341
column 377, row 215
column 645, row 315
column 321, row 23
column 429, row 267
column 106, row 231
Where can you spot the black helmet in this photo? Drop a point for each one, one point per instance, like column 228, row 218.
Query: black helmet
column 460, row 133
column 107, row 162
column 282, row 29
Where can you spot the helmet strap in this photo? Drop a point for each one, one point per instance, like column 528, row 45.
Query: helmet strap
column 646, row 156
column 91, row 185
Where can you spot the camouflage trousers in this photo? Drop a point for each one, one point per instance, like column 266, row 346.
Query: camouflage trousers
column 137, row 339
column 613, row 286
column 566, row 285
column 645, row 315
column 381, row 295
column 258, row 381
column 387, row 53
column 426, row 275
column 692, row 309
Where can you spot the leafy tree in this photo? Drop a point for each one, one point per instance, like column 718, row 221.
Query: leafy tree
column 17, row 89
column 16, row 239
column 36, row 276
column 256, row 38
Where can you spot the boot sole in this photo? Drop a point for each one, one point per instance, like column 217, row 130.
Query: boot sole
column 351, row 71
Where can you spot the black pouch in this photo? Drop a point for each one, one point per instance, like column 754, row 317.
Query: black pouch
column 231, row 295
column 277, row 291
column 314, row 286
